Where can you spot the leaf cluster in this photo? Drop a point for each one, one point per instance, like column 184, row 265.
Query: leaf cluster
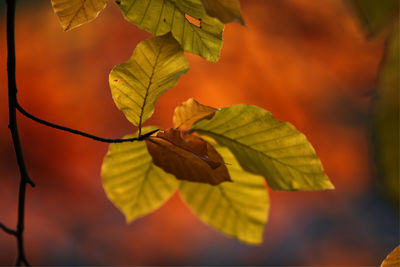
column 218, row 159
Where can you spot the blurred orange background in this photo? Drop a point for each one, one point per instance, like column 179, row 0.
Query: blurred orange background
column 308, row 62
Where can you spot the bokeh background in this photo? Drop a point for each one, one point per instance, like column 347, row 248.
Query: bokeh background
column 308, row 62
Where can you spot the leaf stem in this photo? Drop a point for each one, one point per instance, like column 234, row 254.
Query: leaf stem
column 12, row 111
column 77, row 132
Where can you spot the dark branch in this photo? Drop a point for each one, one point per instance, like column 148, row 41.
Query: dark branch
column 63, row 128
column 8, row 230
column 12, row 112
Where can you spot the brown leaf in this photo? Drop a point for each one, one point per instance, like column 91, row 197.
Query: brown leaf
column 190, row 112
column 188, row 157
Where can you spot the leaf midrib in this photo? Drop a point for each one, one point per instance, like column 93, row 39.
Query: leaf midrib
column 148, row 87
column 253, row 149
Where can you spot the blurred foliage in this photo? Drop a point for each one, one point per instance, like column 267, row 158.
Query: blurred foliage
column 386, row 120
column 225, row 10
column 376, row 14
column 382, row 16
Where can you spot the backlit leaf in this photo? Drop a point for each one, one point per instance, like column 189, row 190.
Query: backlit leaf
column 73, row 13
column 376, row 14
column 266, row 146
column 132, row 182
column 162, row 16
column 225, row 10
column 191, row 111
column 239, row 209
column 393, row 259
column 154, row 67
column 187, row 157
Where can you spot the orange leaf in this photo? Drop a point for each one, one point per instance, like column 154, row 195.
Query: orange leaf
column 190, row 112
column 393, row 259
column 188, row 157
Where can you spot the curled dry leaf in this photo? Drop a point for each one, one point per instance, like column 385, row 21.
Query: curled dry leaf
column 188, row 157
column 190, row 112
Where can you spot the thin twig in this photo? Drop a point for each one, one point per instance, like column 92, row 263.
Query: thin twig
column 12, row 111
column 63, row 128
column 8, row 230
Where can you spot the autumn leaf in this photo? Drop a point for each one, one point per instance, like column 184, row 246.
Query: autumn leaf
column 73, row 13
column 154, row 67
column 225, row 10
column 266, row 146
column 188, row 157
column 163, row 16
column 191, row 111
column 239, row 209
column 393, row 259
column 132, row 182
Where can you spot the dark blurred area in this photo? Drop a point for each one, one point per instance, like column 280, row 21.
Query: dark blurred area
column 311, row 63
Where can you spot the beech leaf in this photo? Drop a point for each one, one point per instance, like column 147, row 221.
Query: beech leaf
column 154, row 67
column 191, row 111
column 73, row 13
column 132, row 182
column 393, row 259
column 239, row 209
column 202, row 37
column 188, row 157
column 225, row 10
column 266, row 146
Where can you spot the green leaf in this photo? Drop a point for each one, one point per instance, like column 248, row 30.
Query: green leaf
column 266, row 146
column 225, row 10
column 239, row 209
column 132, row 182
column 73, row 13
column 161, row 16
column 154, row 67
column 376, row 14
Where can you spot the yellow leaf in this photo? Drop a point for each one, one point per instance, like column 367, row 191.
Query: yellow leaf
column 188, row 157
column 190, row 112
column 162, row 16
column 73, row 13
column 266, row 146
column 131, row 180
column 393, row 259
column 154, row 67
column 225, row 10
column 239, row 209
